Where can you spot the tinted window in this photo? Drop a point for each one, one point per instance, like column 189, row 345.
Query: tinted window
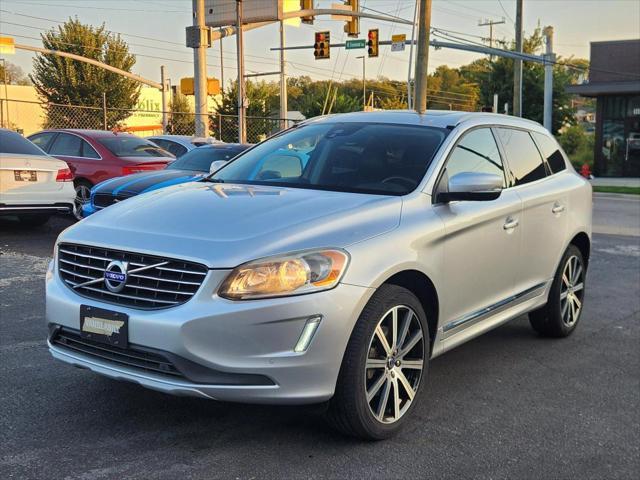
column 12, row 142
column 200, row 159
column 42, row 140
column 68, row 145
column 356, row 157
column 551, row 151
column 476, row 152
column 523, row 157
column 130, row 146
column 175, row 149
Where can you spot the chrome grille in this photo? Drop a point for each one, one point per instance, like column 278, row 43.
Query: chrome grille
column 152, row 282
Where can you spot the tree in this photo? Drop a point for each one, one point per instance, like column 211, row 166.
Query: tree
column 14, row 74
column 181, row 121
column 64, row 81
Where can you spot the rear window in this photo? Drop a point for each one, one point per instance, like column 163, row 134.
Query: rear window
column 200, row 159
column 523, row 156
column 14, row 143
column 130, row 146
column 551, row 152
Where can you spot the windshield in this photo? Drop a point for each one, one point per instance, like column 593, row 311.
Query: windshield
column 130, row 146
column 200, row 159
column 375, row 158
column 14, row 143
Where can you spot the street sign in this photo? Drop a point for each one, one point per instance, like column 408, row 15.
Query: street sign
column 353, row 44
column 7, row 46
column 397, row 42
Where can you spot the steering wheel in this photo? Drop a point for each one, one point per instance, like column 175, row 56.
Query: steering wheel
column 403, row 180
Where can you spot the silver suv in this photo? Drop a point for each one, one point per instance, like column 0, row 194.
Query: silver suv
column 329, row 264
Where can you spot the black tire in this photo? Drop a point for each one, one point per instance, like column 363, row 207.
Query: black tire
column 34, row 220
column 82, row 187
column 349, row 410
column 554, row 319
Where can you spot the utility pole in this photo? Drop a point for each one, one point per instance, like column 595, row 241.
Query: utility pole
column 490, row 24
column 422, row 61
column 517, row 64
column 242, row 101
column 221, row 67
column 283, row 81
column 413, row 38
column 200, row 69
column 548, row 80
column 364, row 82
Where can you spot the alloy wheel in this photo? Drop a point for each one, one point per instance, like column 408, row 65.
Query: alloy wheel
column 571, row 291
column 83, row 195
column 394, row 364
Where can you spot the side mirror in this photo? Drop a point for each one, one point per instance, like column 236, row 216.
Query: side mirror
column 472, row 186
column 217, row 165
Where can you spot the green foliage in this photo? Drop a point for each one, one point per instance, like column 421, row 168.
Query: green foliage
column 181, row 120
column 62, row 80
column 578, row 145
column 14, row 74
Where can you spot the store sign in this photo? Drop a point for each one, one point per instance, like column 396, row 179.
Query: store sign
column 397, row 42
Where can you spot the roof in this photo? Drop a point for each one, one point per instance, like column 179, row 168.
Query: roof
column 431, row 118
column 605, row 88
column 89, row 132
column 226, row 145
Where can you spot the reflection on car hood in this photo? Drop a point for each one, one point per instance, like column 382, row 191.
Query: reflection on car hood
column 136, row 183
column 224, row 225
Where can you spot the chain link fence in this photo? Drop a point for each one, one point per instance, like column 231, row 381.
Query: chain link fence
column 28, row 117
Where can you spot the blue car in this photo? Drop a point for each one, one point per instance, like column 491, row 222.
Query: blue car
column 190, row 167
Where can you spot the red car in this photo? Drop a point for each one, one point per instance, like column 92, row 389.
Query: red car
column 97, row 155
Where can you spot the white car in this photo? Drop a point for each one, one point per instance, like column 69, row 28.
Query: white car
column 33, row 185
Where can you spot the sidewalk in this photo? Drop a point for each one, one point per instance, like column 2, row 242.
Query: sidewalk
column 615, row 182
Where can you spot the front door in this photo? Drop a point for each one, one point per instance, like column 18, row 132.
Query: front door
column 631, row 167
column 482, row 238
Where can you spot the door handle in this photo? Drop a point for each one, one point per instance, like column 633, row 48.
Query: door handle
column 511, row 223
column 557, row 208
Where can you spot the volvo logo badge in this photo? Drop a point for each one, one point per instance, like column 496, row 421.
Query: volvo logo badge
column 115, row 276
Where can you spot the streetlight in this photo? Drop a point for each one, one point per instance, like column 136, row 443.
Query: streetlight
column 364, row 84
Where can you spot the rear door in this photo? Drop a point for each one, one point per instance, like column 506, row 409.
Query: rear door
column 544, row 208
column 482, row 242
column 81, row 157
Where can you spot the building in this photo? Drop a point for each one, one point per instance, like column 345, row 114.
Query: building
column 614, row 81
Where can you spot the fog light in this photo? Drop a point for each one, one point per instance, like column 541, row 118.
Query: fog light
column 307, row 333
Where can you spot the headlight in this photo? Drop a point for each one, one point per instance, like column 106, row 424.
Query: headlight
column 294, row 274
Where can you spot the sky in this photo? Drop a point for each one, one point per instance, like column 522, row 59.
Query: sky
column 155, row 31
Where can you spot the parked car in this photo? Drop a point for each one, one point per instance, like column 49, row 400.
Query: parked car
column 178, row 145
column 403, row 236
column 97, row 155
column 33, row 185
column 188, row 168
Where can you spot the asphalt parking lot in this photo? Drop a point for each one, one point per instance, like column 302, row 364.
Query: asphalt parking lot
column 506, row 405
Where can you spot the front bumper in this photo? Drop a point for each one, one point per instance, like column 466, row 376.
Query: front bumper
column 244, row 338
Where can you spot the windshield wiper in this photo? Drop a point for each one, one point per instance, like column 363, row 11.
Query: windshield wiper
column 212, row 180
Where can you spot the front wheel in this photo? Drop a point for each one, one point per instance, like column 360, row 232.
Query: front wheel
column 83, row 195
column 384, row 366
column 560, row 316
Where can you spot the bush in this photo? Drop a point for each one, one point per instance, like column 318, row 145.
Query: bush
column 572, row 138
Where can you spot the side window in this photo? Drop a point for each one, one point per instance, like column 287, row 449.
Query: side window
column 175, row 149
column 551, row 152
column 88, row 151
column 523, row 156
column 42, row 140
column 67, row 145
column 476, row 152
column 280, row 166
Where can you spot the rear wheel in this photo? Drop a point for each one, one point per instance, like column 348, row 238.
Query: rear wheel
column 33, row 220
column 560, row 316
column 383, row 368
column 83, row 195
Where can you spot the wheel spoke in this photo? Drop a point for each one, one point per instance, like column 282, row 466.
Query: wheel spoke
column 383, row 340
column 572, row 315
column 376, row 363
column 410, row 344
column 565, row 308
column 412, row 364
column 407, row 386
column 394, row 329
column 564, row 294
column 396, row 399
column 577, row 273
column 565, row 280
column 404, row 329
column 384, row 399
column 577, row 301
column 578, row 287
column 376, row 387
column 570, row 270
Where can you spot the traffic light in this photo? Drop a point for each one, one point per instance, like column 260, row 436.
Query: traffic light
column 321, row 47
column 306, row 5
column 352, row 27
column 372, row 42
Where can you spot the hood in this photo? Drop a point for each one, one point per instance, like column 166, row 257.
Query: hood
column 137, row 183
column 224, row 225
